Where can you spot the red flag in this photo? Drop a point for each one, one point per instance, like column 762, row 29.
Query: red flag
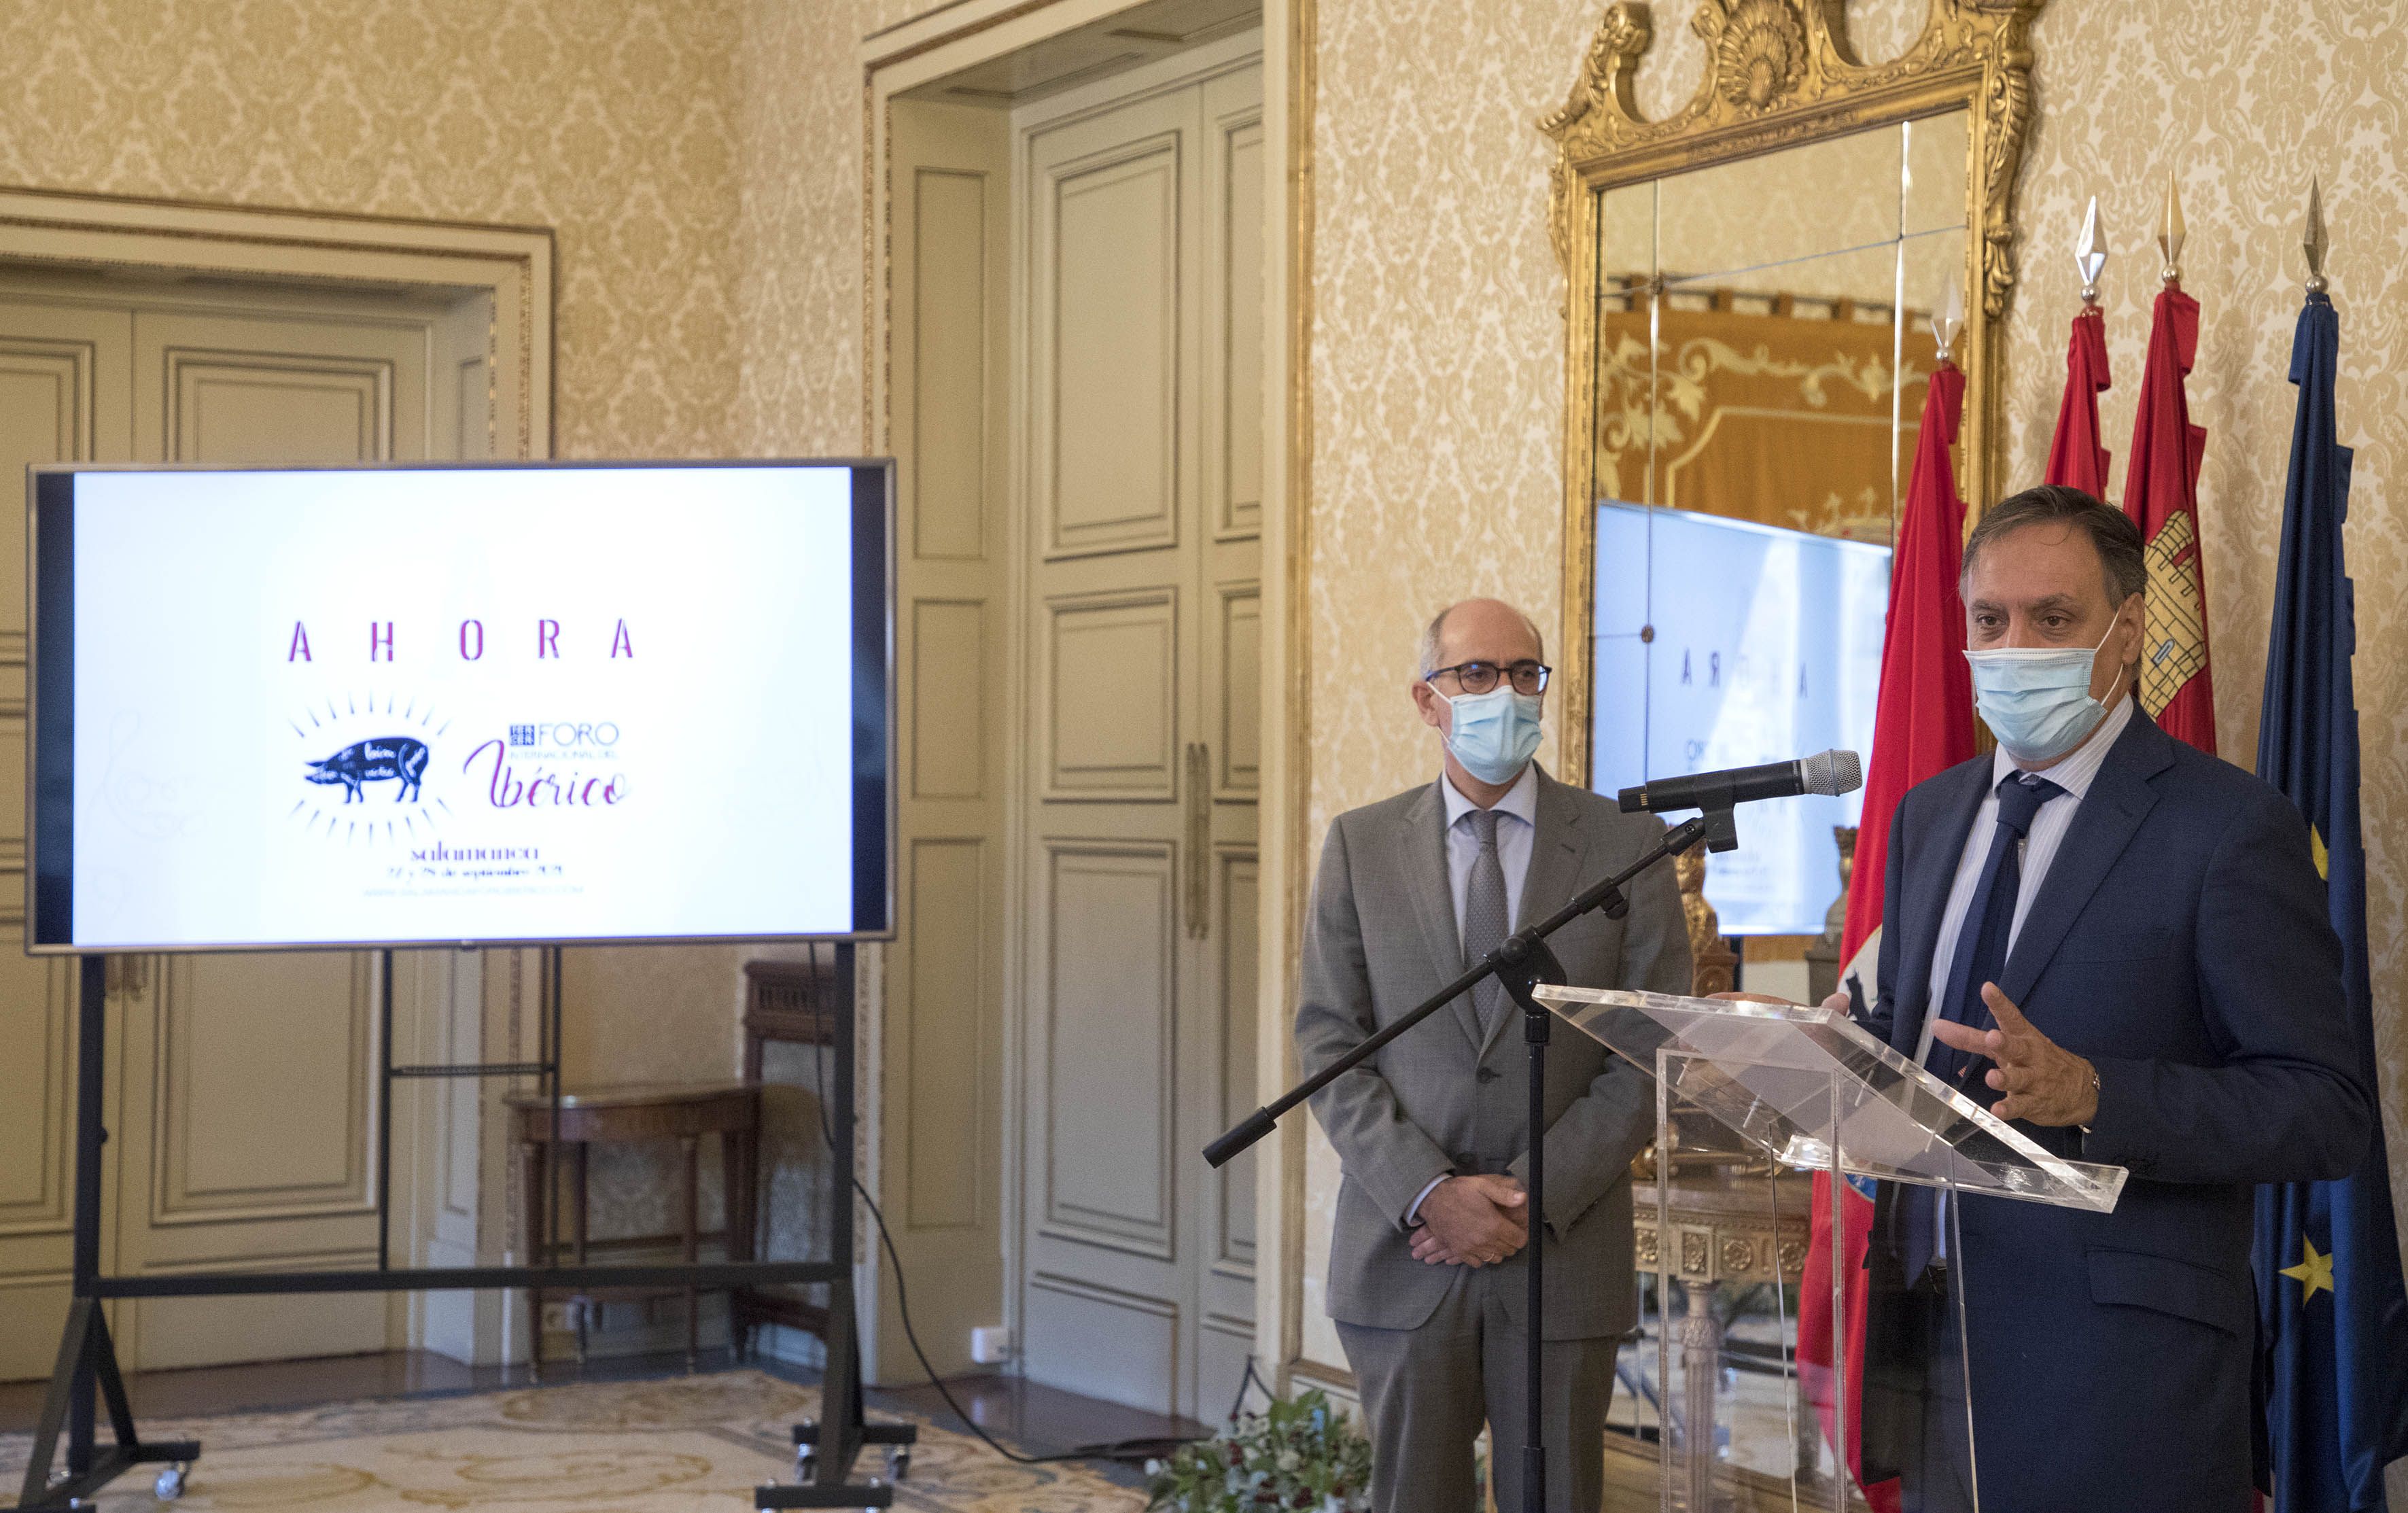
column 2161, row 495
column 1923, row 724
column 2075, row 456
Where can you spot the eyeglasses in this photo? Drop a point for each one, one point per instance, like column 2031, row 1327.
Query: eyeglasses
column 1480, row 677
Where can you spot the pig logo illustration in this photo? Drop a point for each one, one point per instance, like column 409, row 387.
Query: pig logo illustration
column 374, row 761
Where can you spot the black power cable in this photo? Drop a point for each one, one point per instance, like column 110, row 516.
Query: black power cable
column 1121, row 1450
column 1248, row 1379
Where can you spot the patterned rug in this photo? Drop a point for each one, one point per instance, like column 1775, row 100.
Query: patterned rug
column 684, row 1445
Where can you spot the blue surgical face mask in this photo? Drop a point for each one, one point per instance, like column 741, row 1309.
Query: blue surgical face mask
column 2036, row 700
column 1493, row 734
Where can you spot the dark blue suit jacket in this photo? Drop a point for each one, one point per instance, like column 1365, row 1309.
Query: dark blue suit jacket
column 2179, row 940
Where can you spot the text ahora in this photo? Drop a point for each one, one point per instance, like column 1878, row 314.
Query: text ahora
column 467, row 645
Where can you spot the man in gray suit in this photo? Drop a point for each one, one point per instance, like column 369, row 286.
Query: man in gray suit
column 1426, row 1279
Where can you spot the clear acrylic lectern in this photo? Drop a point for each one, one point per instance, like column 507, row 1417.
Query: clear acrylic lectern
column 1741, row 1403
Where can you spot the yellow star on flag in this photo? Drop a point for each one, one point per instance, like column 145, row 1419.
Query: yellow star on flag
column 2323, row 858
column 2313, row 1272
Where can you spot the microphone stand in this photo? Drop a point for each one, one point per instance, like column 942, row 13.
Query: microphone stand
column 1520, row 962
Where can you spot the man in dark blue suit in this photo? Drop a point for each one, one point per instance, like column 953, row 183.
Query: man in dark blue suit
column 2122, row 943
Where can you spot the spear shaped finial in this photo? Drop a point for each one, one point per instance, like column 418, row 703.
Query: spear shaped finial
column 1949, row 319
column 2169, row 231
column 2314, row 241
column 2090, row 253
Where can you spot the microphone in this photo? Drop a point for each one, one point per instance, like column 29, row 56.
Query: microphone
column 1829, row 773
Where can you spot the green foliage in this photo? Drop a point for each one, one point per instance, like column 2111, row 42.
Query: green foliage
column 1301, row 1454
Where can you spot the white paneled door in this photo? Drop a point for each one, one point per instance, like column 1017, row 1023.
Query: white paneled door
column 242, row 1097
column 1140, row 469
column 943, row 1169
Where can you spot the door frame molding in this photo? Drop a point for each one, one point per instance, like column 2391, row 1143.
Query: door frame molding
column 956, row 36
column 512, row 264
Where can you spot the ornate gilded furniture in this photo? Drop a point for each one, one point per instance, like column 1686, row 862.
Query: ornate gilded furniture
column 1798, row 177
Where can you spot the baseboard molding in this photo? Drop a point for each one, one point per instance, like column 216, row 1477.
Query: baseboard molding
column 793, row 1346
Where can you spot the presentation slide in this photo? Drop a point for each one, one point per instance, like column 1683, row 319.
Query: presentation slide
column 1726, row 643
column 455, row 705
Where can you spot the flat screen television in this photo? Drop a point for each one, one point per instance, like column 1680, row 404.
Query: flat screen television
column 1725, row 643
column 459, row 705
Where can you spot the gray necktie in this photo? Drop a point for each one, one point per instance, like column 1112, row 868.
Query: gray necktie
column 1485, row 917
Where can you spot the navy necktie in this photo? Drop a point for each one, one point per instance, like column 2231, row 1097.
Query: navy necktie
column 1982, row 940
column 1981, row 956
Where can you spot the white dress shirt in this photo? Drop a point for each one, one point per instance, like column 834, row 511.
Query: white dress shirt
column 2074, row 773
column 1517, row 827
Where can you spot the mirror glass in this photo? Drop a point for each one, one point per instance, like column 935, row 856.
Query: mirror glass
column 1763, row 351
column 1752, row 362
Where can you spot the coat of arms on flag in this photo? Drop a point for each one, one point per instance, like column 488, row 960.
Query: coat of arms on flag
column 2161, row 495
column 2175, row 648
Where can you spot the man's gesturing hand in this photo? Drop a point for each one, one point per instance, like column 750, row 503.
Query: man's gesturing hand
column 2044, row 1083
column 1473, row 1221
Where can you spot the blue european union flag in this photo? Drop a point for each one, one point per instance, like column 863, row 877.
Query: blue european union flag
column 2333, row 1312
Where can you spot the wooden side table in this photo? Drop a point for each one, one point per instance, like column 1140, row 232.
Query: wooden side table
column 792, row 1003
column 631, row 1113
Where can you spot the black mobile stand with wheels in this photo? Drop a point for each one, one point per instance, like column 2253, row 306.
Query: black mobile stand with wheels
column 825, row 1447
column 87, row 1379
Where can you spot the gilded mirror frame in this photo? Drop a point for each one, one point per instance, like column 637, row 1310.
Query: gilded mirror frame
column 1778, row 74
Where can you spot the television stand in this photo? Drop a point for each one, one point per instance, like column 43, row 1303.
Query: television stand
column 86, row 1375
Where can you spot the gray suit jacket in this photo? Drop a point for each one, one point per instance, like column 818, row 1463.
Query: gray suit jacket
column 1383, row 937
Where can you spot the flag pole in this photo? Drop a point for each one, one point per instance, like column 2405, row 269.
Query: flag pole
column 2076, row 456
column 2090, row 255
column 1948, row 319
column 2170, row 234
column 2162, row 498
column 1923, row 724
column 2332, row 1305
column 2312, row 241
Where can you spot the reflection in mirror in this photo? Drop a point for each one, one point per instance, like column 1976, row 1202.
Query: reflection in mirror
column 1822, row 197
column 1763, row 349
column 1935, row 174
column 1768, row 395
column 1752, row 360
column 1627, row 229
column 1751, row 354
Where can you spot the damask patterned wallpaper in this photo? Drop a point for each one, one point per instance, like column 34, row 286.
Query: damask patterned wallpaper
column 702, row 164
column 1438, row 340
column 799, row 190
column 615, row 124
column 2243, row 104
